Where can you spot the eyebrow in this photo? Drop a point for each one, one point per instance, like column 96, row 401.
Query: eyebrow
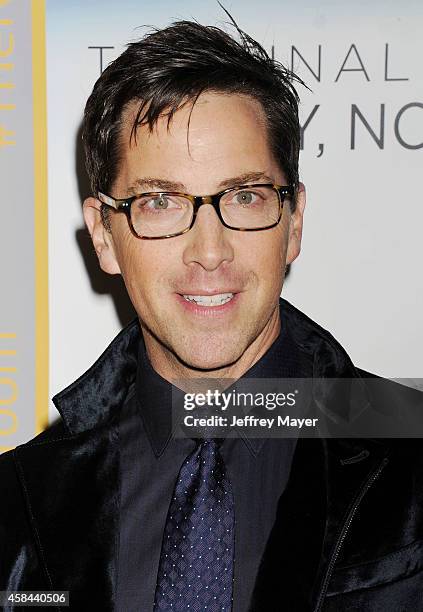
column 149, row 182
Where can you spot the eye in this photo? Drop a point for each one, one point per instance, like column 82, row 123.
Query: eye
column 158, row 203
column 245, row 198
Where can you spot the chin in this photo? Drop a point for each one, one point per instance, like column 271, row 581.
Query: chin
column 206, row 357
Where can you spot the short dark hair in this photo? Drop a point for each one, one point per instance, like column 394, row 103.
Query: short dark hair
column 174, row 65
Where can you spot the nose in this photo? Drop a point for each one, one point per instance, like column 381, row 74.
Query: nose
column 208, row 243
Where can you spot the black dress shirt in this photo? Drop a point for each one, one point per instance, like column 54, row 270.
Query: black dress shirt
column 150, row 462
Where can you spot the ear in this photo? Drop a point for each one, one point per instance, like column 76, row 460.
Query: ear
column 296, row 226
column 102, row 239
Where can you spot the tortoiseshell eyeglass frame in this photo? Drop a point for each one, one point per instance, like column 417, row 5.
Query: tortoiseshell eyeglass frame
column 124, row 205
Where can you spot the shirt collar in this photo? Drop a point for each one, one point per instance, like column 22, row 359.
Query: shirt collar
column 283, row 359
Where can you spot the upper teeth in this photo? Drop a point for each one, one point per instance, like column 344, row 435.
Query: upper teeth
column 210, row 300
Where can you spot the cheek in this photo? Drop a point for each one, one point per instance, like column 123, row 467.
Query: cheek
column 267, row 254
column 128, row 253
column 146, row 267
column 142, row 281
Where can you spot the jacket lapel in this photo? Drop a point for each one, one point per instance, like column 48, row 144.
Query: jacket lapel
column 71, row 479
column 76, row 528
column 352, row 467
column 328, row 478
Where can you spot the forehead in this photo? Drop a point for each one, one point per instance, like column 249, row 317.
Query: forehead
column 220, row 135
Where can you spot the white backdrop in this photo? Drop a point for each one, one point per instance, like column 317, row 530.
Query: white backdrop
column 359, row 273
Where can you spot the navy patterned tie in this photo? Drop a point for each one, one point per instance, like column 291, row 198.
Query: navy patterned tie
column 197, row 557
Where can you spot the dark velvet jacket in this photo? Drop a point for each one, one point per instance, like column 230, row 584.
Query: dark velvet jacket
column 348, row 534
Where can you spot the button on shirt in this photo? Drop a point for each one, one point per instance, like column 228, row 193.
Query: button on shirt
column 150, row 462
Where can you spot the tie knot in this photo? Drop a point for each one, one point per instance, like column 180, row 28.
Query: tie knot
column 212, row 442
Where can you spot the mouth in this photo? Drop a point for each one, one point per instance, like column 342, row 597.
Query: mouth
column 217, row 299
column 210, row 305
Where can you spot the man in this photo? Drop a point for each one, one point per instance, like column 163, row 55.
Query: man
column 192, row 143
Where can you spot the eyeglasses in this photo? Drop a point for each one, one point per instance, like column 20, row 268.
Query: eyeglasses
column 164, row 214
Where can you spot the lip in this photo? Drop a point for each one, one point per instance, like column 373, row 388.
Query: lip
column 219, row 291
column 208, row 311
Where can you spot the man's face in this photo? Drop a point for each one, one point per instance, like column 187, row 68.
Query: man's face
column 226, row 142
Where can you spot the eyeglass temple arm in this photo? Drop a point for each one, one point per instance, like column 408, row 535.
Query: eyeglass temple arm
column 105, row 199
